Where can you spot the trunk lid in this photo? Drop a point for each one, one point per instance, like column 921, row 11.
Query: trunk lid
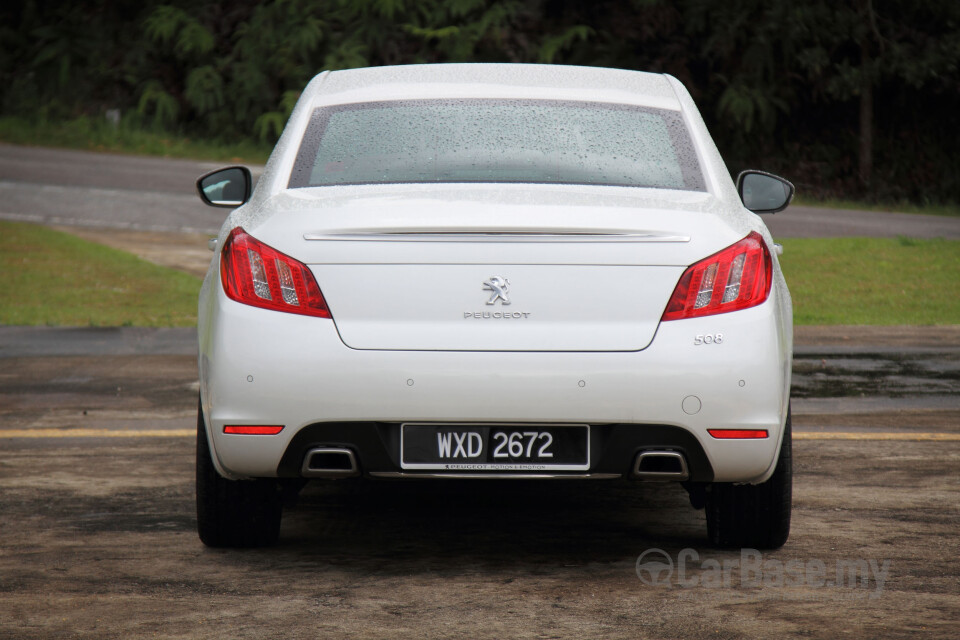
column 462, row 272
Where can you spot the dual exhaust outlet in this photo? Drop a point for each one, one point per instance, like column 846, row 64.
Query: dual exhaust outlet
column 338, row 462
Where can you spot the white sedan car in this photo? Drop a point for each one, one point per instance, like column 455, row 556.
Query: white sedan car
column 495, row 271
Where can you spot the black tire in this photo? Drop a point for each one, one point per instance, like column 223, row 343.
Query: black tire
column 754, row 516
column 233, row 513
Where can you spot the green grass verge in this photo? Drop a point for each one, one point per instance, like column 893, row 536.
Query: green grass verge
column 53, row 278
column 94, row 134
column 875, row 281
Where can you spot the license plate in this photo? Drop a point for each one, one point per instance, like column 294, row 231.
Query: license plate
column 484, row 447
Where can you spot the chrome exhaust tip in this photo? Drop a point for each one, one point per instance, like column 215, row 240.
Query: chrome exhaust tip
column 661, row 465
column 329, row 462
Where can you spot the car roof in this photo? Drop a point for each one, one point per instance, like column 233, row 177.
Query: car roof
column 489, row 80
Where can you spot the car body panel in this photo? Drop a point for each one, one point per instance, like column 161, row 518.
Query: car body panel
column 446, row 307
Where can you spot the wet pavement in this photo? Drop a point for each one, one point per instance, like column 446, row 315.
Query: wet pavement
column 932, row 375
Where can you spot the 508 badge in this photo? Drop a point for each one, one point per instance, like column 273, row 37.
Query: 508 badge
column 708, row 338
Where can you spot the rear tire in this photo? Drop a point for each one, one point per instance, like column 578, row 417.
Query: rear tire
column 233, row 513
column 754, row 516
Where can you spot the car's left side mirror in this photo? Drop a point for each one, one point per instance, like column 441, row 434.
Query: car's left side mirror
column 763, row 192
column 228, row 187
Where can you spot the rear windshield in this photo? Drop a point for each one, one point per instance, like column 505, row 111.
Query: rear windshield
column 497, row 141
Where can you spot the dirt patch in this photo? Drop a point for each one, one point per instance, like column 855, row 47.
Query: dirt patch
column 379, row 559
column 920, row 420
column 101, row 392
column 183, row 251
column 907, row 336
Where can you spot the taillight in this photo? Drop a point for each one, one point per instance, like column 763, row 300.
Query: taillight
column 736, row 278
column 256, row 274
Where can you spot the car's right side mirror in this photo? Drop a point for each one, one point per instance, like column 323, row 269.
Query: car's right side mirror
column 763, row 192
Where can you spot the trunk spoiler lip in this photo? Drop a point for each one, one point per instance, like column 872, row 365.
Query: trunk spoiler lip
column 512, row 235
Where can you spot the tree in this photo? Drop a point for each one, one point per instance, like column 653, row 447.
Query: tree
column 847, row 98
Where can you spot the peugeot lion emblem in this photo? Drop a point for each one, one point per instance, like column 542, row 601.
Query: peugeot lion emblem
column 500, row 287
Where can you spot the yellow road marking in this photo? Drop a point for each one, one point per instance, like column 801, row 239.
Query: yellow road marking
column 97, row 433
column 189, row 433
column 841, row 435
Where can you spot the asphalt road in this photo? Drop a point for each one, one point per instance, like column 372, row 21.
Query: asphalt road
column 83, row 189
column 79, row 188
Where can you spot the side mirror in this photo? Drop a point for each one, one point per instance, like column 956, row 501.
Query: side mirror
column 229, row 187
column 763, row 192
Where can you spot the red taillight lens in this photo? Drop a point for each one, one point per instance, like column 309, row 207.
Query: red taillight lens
column 736, row 278
column 253, row 429
column 738, row 434
column 258, row 275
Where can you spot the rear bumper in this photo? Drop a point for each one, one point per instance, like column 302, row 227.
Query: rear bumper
column 263, row 367
column 376, row 446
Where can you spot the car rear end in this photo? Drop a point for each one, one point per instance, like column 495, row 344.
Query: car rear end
column 490, row 325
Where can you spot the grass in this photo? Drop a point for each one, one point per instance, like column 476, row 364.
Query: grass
column 53, row 278
column 873, row 281
column 96, row 134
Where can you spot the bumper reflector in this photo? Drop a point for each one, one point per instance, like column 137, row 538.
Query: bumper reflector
column 253, row 429
column 738, row 434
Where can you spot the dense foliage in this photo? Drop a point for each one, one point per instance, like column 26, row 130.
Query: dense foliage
column 850, row 98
